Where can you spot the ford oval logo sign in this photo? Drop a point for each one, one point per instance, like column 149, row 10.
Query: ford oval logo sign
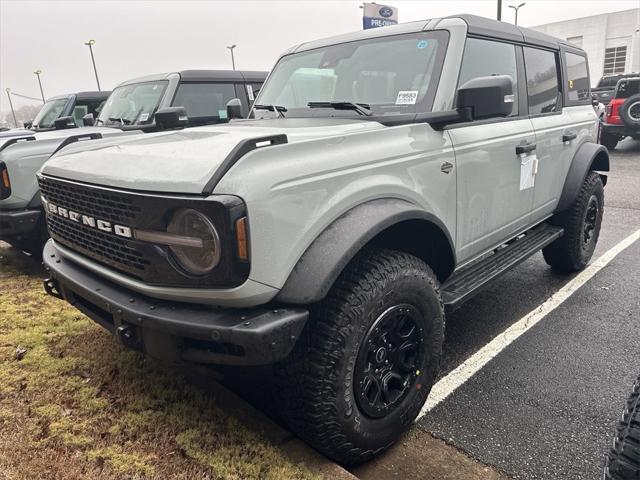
column 385, row 12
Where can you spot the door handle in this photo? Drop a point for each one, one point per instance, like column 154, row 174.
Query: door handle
column 567, row 137
column 527, row 147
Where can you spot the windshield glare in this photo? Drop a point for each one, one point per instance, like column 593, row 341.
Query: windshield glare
column 49, row 112
column 396, row 74
column 133, row 104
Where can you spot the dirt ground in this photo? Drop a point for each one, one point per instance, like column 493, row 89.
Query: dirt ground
column 73, row 404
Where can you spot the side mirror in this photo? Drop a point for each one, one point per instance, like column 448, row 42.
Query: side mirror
column 63, row 123
column 28, row 124
column 234, row 109
column 88, row 120
column 487, row 97
column 171, row 117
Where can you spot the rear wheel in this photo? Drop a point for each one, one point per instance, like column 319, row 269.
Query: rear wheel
column 362, row 370
column 623, row 461
column 581, row 223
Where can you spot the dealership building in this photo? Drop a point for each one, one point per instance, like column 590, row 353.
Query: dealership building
column 611, row 40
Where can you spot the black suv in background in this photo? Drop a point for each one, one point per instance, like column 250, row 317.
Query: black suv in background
column 607, row 85
column 622, row 115
column 72, row 106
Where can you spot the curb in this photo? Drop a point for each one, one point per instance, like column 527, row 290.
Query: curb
column 290, row 446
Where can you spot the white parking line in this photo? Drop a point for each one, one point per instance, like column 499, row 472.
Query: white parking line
column 448, row 384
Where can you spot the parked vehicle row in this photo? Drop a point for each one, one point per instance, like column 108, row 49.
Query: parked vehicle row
column 151, row 104
column 622, row 115
column 604, row 90
column 379, row 180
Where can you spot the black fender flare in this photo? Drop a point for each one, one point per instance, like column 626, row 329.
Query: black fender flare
column 331, row 251
column 590, row 156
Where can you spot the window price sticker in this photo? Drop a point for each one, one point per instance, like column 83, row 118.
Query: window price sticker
column 407, row 97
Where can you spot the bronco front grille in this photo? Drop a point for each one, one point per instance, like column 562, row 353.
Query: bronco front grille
column 104, row 204
column 110, row 249
column 148, row 262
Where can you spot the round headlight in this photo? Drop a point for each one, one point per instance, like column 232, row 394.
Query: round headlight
column 201, row 259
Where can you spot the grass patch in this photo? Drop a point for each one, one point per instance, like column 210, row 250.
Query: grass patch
column 74, row 404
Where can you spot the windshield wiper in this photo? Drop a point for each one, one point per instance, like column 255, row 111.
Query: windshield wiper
column 272, row 108
column 123, row 121
column 361, row 108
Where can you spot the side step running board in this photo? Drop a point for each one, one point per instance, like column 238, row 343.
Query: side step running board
column 468, row 281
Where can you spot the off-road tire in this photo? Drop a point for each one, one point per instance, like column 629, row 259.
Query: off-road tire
column 623, row 461
column 316, row 387
column 629, row 119
column 608, row 140
column 570, row 253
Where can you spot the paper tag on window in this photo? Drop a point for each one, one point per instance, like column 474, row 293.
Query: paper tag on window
column 144, row 117
column 407, row 97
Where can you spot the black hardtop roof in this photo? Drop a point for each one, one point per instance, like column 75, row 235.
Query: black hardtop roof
column 487, row 27
column 103, row 95
column 222, row 75
column 93, row 95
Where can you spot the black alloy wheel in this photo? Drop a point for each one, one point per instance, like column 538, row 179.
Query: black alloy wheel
column 386, row 368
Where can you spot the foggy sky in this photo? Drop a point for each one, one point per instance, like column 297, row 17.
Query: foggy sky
column 135, row 38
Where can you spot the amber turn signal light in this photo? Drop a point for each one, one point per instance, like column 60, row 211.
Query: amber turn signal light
column 242, row 239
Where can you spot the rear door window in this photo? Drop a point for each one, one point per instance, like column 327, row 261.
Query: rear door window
column 204, row 99
column 626, row 88
column 483, row 58
column 577, row 79
column 543, row 89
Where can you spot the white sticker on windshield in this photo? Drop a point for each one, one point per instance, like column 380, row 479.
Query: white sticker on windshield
column 407, row 97
column 144, row 117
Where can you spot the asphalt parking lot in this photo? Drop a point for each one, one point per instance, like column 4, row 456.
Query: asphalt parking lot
column 546, row 405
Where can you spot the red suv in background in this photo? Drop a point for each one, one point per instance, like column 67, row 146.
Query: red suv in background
column 622, row 115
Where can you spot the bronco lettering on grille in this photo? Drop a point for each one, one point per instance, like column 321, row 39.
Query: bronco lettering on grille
column 88, row 221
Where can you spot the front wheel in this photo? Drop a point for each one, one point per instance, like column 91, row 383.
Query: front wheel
column 362, row 370
column 581, row 223
column 623, row 461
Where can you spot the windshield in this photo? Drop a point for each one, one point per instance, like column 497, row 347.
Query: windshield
column 389, row 75
column 132, row 104
column 49, row 112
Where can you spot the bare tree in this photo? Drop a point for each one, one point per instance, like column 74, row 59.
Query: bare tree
column 23, row 114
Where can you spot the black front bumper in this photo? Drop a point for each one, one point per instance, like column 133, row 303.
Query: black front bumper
column 15, row 223
column 621, row 130
column 174, row 330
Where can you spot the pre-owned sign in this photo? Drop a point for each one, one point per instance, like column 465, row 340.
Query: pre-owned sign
column 376, row 15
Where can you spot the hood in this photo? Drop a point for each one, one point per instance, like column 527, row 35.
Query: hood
column 14, row 132
column 182, row 161
column 24, row 155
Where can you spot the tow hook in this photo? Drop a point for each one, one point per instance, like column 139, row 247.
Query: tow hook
column 127, row 335
column 51, row 287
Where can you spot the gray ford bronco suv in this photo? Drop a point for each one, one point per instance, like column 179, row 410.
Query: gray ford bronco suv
column 382, row 178
column 149, row 104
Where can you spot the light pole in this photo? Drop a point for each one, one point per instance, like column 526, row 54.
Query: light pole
column 90, row 44
column 233, row 61
column 516, row 9
column 499, row 15
column 11, row 105
column 37, row 74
